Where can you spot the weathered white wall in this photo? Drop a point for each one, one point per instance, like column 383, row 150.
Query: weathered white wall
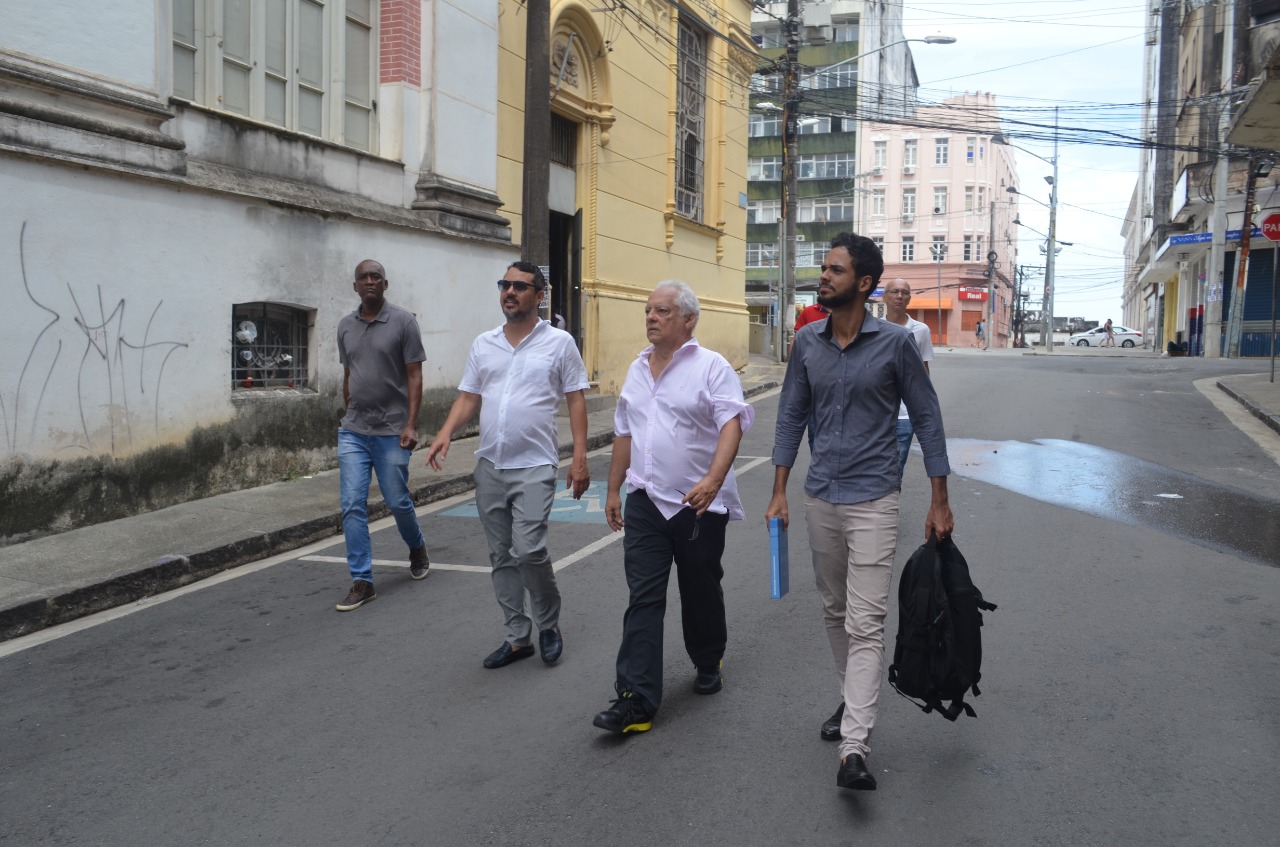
column 461, row 66
column 117, row 295
column 115, row 40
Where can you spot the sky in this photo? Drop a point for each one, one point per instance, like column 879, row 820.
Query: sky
column 1086, row 58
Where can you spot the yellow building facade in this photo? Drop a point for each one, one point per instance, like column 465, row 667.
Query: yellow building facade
column 649, row 104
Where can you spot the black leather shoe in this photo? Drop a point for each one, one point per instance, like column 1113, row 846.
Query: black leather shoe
column 550, row 644
column 853, row 774
column 709, row 680
column 506, row 654
column 831, row 726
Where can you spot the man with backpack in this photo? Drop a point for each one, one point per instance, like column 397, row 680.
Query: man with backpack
column 851, row 372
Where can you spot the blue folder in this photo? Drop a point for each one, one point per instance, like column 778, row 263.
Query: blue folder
column 779, row 566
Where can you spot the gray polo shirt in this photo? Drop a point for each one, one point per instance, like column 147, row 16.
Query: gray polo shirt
column 376, row 352
column 854, row 394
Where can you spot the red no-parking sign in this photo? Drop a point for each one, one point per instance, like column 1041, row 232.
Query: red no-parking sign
column 1271, row 227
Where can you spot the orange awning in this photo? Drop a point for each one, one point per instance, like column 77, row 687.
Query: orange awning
column 918, row 302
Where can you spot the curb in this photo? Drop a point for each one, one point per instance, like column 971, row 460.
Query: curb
column 1252, row 405
column 176, row 571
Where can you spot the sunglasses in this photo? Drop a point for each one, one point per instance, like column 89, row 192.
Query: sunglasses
column 520, row 287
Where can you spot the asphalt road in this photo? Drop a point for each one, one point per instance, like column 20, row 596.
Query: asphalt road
column 1130, row 695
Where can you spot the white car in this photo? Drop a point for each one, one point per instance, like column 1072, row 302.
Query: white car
column 1125, row 337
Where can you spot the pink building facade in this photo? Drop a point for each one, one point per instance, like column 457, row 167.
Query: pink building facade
column 935, row 197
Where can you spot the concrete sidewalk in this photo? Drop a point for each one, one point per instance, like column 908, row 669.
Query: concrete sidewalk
column 58, row 578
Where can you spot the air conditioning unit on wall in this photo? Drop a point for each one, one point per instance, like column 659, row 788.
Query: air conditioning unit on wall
column 908, row 218
column 908, row 169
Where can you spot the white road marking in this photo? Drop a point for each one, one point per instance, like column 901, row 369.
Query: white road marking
column 388, row 563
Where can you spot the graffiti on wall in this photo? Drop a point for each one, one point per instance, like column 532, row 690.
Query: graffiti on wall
column 86, row 371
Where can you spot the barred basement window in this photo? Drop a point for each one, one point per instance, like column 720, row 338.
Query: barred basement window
column 691, row 100
column 269, row 345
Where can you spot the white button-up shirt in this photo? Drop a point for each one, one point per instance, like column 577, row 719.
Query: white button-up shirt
column 674, row 424
column 520, row 389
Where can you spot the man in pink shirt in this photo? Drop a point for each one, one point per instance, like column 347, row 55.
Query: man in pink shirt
column 679, row 420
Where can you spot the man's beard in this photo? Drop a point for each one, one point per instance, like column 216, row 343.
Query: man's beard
column 835, row 301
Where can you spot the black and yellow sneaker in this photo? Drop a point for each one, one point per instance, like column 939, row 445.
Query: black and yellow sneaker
column 709, row 680
column 627, row 714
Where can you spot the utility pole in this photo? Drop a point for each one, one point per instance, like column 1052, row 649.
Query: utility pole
column 991, row 273
column 1211, row 339
column 535, row 224
column 790, row 152
column 1236, row 320
column 1049, row 279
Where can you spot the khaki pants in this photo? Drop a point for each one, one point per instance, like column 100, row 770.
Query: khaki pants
column 853, row 548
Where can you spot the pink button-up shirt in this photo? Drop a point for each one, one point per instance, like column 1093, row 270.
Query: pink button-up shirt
column 674, row 424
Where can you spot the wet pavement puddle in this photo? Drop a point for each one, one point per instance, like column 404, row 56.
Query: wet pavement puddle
column 1113, row 485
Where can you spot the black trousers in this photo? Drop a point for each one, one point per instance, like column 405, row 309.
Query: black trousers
column 651, row 544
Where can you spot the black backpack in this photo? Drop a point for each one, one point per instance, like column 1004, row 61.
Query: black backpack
column 938, row 655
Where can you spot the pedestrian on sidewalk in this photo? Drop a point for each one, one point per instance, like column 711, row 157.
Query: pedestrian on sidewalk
column 979, row 333
column 1110, row 340
column 380, row 347
column 516, row 375
column 897, row 296
column 678, row 423
column 853, row 374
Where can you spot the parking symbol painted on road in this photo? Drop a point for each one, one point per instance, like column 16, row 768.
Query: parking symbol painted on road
column 590, row 509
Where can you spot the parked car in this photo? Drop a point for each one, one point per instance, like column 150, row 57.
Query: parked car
column 1125, row 337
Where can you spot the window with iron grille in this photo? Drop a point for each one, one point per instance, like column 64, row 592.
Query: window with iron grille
column 269, row 345
column 564, row 141
column 691, row 105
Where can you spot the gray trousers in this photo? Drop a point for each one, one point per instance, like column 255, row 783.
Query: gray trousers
column 514, row 506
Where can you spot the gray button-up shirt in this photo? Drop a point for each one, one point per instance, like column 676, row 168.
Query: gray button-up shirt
column 854, row 394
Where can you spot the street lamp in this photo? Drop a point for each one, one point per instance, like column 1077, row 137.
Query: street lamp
column 999, row 138
column 790, row 145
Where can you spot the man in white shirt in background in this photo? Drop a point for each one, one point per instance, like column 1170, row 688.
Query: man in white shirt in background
column 516, row 375
column 897, row 296
column 678, row 423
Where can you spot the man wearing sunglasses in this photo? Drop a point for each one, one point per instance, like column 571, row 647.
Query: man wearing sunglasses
column 677, row 426
column 516, row 376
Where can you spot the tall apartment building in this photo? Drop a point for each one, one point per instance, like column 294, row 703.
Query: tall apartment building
column 937, row 201
column 866, row 81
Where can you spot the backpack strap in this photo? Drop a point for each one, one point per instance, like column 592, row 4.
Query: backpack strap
column 957, row 706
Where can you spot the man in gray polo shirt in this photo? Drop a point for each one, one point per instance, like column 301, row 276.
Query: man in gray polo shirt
column 380, row 347
column 851, row 372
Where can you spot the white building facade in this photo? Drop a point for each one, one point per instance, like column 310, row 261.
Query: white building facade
column 189, row 185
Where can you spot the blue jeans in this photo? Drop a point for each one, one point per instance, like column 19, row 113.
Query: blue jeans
column 358, row 456
column 904, row 443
